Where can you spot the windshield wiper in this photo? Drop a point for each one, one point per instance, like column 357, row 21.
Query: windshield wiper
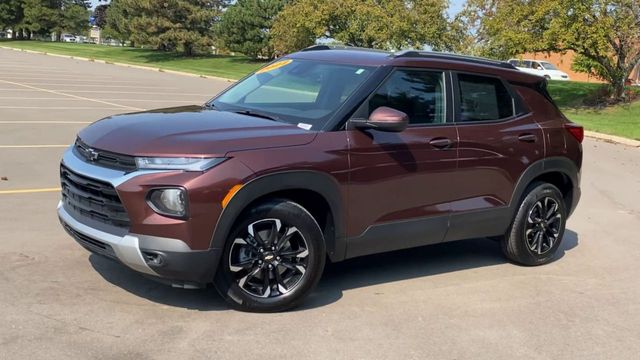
column 257, row 114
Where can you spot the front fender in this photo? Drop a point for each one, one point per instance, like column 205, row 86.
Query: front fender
column 318, row 182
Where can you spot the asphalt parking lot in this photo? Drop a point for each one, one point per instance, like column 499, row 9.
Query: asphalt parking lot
column 456, row 301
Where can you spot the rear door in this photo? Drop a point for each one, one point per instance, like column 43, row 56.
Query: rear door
column 498, row 140
column 399, row 191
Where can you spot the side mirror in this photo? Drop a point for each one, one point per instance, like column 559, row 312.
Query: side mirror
column 384, row 119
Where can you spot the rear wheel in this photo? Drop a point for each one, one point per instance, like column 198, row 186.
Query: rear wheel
column 538, row 227
column 273, row 258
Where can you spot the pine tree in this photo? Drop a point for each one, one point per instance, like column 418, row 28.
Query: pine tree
column 246, row 26
column 170, row 25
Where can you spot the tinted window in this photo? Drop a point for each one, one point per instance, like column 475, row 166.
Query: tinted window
column 483, row 98
column 420, row 94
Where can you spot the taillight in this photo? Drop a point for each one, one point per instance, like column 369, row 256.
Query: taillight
column 576, row 130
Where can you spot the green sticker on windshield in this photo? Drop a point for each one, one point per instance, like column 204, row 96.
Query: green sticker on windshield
column 359, row 71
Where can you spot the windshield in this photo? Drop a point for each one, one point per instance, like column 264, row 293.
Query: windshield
column 548, row 66
column 301, row 92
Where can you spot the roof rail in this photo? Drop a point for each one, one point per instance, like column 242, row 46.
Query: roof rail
column 316, row 47
column 451, row 56
column 341, row 47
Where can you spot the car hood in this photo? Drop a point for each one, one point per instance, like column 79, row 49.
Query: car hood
column 190, row 131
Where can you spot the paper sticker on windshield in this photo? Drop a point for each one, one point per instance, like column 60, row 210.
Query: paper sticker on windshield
column 275, row 65
column 304, row 126
column 359, row 71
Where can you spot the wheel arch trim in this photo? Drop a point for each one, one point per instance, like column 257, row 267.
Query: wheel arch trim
column 541, row 167
column 318, row 182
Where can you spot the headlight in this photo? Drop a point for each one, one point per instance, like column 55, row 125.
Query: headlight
column 177, row 163
column 168, row 201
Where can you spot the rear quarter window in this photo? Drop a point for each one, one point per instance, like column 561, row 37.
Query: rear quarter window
column 483, row 98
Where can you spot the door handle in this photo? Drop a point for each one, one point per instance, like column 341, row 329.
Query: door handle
column 440, row 143
column 530, row 138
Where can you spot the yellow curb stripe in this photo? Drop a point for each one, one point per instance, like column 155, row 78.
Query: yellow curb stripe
column 28, row 191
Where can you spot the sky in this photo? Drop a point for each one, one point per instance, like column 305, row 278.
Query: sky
column 454, row 8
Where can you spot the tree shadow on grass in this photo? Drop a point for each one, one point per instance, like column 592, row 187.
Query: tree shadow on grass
column 350, row 274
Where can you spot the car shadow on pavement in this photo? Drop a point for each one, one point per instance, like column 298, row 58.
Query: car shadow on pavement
column 350, row 274
column 119, row 275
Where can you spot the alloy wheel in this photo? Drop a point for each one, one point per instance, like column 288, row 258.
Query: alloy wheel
column 269, row 259
column 544, row 222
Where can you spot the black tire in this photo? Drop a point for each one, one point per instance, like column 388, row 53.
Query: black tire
column 538, row 227
column 291, row 262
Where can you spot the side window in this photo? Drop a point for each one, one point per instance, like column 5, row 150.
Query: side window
column 483, row 98
column 418, row 93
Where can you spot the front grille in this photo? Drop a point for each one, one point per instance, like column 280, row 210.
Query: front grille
column 90, row 243
column 105, row 158
column 92, row 198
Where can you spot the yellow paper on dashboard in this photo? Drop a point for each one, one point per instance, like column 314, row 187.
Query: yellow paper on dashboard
column 275, row 65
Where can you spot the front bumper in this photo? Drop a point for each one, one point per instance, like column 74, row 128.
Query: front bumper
column 178, row 265
column 124, row 248
column 168, row 259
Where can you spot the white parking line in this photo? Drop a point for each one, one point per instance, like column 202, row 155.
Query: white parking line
column 38, row 68
column 32, row 146
column 120, row 107
column 72, row 99
column 165, row 101
column 65, row 78
column 112, row 92
column 98, row 84
column 70, row 95
column 45, row 122
column 40, row 98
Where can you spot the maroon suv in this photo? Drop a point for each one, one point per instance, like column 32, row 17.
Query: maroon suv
column 325, row 152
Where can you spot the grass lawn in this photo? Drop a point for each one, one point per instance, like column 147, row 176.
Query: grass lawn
column 620, row 120
column 232, row 67
column 571, row 94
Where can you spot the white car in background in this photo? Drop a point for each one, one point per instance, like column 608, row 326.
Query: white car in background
column 540, row 68
column 68, row 38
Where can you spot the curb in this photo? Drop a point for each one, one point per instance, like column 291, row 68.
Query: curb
column 612, row 139
column 141, row 67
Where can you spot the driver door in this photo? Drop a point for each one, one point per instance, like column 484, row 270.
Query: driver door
column 399, row 194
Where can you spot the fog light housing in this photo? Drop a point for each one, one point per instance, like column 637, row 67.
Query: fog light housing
column 168, row 201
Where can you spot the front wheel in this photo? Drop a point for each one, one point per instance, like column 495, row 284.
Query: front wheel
column 537, row 230
column 273, row 258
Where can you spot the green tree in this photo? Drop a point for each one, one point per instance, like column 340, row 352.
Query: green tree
column 470, row 28
column 245, row 27
column 185, row 25
column 75, row 18
column 383, row 24
column 11, row 16
column 42, row 17
column 604, row 33
column 100, row 14
column 117, row 20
